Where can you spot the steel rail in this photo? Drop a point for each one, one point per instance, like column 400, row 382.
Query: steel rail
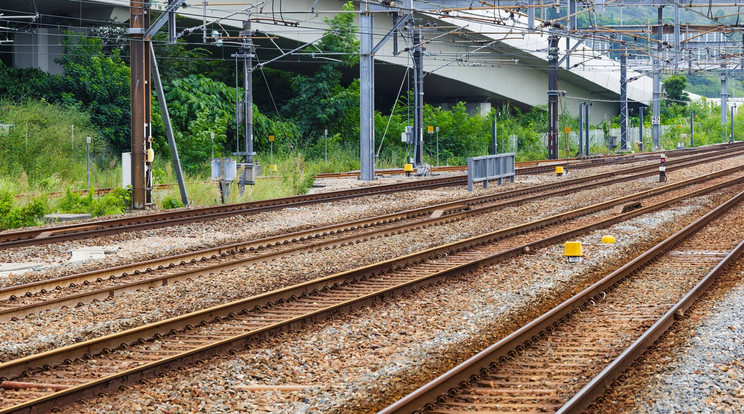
column 12, row 369
column 76, row 299
column 544, row 166
column 166, row 219
column 596, row 387
column 510, row 345
column 274, row 240
column 450, row 208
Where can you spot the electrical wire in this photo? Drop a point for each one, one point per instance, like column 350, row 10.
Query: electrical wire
column 392, row 112
column 267, row 86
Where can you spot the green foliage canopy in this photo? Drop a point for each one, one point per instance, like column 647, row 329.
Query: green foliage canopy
column 674, row 87
column 101, row 84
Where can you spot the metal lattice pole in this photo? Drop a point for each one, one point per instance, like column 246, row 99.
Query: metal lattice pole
column 656, row 117
column 623, row 100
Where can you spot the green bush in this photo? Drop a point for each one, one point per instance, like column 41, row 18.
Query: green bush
column 114, row 202
column 170, row 202
column 30, row 214
column 6, row 201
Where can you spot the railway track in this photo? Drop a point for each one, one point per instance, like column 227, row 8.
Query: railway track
column 564, row 360
column 42, row 381
column 164, row 219
column 171, row 218
column 541, row 166
column 20, row 301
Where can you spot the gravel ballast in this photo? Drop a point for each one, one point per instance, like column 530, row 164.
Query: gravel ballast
column 697, row 366
column 52, row 329
column 362, row 362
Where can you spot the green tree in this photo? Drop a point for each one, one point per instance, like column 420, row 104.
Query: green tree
column 674, row 87
column 19, row 84
column 199, row 106
column 101, row 84
column 320, row 101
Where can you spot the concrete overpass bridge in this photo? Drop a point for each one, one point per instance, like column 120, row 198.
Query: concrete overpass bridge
column 511, row 68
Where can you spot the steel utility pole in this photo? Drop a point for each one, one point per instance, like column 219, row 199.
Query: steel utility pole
column 418, row 91
column 581, row 130
column 139, row 22
column 494, row 143
column 247, row 53
column 640, row 129
column 733, row 108
column 656, row 117
column 623, row 99
column 553, row 97
column 692, row 129
column 366, row 94
column 677, row 42
column 587, row 105
column 367, row 78
column 724, row 98
column 572, row 25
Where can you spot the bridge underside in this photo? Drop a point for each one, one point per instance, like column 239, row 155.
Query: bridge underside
column 521, row 84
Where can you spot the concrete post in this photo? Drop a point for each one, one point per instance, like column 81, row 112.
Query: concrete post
column 87, row 158
column 733, row 107
column 437, row 129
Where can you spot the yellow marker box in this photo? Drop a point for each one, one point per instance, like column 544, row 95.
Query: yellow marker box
column 572, row 249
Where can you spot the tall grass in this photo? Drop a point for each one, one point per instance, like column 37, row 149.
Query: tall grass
column 293, row 176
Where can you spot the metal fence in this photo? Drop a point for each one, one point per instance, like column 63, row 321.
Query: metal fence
column 490, row 167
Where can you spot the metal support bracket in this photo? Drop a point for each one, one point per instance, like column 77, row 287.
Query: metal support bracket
column 162, row 19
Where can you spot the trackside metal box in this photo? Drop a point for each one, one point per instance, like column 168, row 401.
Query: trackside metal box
column 572, row 249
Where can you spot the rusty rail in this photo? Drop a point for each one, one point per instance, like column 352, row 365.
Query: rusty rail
column 17, row 312
column 546, row 166
column 126, row 339
column 452, row 210
column 511, row 344
column 178, row 217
